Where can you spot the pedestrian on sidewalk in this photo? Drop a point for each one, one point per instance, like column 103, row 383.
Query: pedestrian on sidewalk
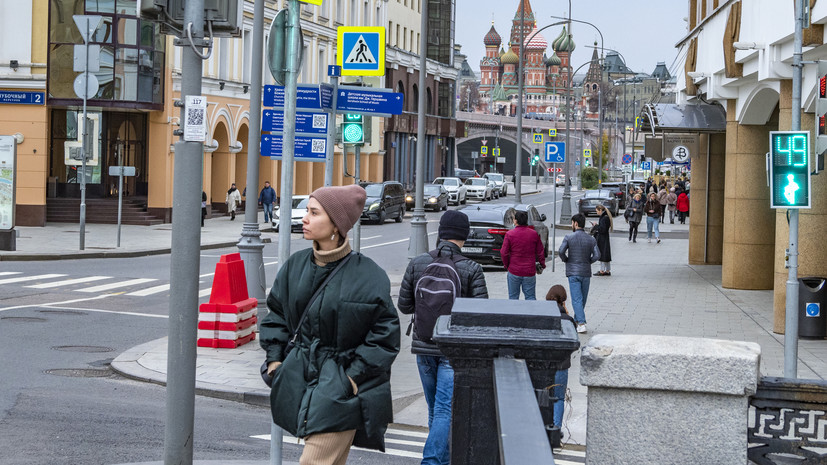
column 601, row 233
column 333, row 387
column 435, row 371
column 663, row 194
column 523, row 256
column 633, row 215
column 630, row 196
column 671, row 200
column 682, row 204
column 652, row 209
column 203, row 207
column 557, row 293
column 267, row 198
column 233, row 200
column 578, row 251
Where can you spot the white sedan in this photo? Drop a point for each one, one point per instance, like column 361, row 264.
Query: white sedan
column 478, row 188
column 296, row 215
column 457, row 191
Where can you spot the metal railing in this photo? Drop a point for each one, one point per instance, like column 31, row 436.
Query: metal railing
column 523, row 437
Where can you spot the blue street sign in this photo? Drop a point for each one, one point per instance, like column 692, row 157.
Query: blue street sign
column 555, row 152
column 813, row 309
column 306, row 148
column 361, row 50
column 308, row 123
column 646, row 165
column 22, row 98
column 627, row 158
column 334, row 70
column 576, row 162
column 309, row 97
column 369, row 101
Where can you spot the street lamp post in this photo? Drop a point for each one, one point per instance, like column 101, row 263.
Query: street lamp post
column 418, row 243
column 565, row 209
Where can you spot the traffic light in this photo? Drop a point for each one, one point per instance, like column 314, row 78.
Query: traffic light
column 821, row 115
column 789, row 169
column 352, row 131
column 535, row 159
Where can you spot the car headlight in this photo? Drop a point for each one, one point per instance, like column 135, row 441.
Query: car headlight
column 374, row 206
column 408, row 198
column 432, row 200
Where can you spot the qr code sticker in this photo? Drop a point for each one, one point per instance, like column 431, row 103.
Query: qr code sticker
column 319, row 121
column 318, row 146
column 195, row 116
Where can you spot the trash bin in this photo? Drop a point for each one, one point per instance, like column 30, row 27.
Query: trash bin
column 812, row 305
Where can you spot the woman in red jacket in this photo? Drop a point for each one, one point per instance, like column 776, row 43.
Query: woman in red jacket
column 683, row 207
column 522, row 249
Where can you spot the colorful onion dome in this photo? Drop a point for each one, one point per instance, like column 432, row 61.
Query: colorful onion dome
column 554, row 60
column 538, row 42
column 492, row 39
column 563, row 42
column 509, row 58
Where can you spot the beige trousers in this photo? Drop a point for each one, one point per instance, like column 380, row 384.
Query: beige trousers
column 327, row 448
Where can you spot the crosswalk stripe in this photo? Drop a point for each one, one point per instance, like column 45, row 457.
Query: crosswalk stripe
column 417, row 434
column 30, row 278
column 110, row 286
column 204, row 292
column 6, row 273
column 150, row 290
column 68, row 282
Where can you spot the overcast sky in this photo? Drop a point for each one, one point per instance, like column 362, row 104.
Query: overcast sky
column 643, row 31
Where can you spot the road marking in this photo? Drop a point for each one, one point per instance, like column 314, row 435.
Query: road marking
column 68, row 282
column 56, row 303
column 288, row 439
column 30, row 278
column 371, row 237
column 6, row 273
column 205, row 292
column 384, row 244
column 106, row 287
column 98, row 310
column 150, row 291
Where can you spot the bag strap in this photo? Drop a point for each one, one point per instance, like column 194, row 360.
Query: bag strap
column 316, row 295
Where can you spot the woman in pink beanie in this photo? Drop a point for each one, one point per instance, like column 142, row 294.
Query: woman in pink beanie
column 330, row 356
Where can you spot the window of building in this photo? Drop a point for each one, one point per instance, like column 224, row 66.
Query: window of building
column 415, row 99
column 390, row 31
column 396, row 41
column 247, row 62
column 405, row 38
column 354, row 13
column 324, row 11
column 131, row 57
column 224, row 58
column 340, row 12
column 441, row 31
column 322, row 64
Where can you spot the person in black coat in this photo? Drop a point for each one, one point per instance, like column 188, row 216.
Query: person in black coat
column 601, row 233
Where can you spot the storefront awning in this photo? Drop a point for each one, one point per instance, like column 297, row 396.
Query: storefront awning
column 669, row 117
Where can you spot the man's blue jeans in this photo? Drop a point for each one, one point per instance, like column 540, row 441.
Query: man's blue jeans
column 268, row 212
column 437, row 378
column 579, row 290
column 528, row 283
column 561, row 380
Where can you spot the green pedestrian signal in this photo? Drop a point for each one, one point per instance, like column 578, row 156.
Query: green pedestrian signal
column 535, row 159
column 789, row 165
column 352, row 131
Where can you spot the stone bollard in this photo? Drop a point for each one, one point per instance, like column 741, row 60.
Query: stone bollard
column 477, row 332
column 668, row 400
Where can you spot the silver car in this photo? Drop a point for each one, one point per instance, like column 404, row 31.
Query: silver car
column 499, row 182
column 457, row 192
column 478, row 188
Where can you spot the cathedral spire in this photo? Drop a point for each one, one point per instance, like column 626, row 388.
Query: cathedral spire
column 527, row 13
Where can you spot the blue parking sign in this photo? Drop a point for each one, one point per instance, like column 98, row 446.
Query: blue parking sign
column 646, row 165
column 555, row 152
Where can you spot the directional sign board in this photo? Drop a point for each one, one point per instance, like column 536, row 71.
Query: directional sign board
column 361, row 51
column 555, row 152
column 368, row 101
column 306, row 148
column 538, row 138
column 23, row 98
column 312, row 97
column 552, row 133
column 627, row 158
column 306, row 122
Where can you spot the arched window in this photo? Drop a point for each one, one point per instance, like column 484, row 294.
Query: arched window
column 429, row 104
column 415, row 98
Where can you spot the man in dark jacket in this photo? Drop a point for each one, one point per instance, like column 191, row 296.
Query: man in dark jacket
column 267, row 198
column 578, row 251
column 435, row 371
column 522, row 249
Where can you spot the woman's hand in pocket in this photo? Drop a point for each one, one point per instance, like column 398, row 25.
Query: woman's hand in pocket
column 271, row 367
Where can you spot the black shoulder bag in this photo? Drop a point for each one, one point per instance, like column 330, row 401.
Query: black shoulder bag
column 268, row 378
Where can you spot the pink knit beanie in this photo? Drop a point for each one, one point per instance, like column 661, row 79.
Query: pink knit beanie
column 343, row 204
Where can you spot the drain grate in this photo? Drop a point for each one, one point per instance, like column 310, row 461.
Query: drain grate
column 80, row 372
column 23, row 319
column 63, row 312
column 86, row 349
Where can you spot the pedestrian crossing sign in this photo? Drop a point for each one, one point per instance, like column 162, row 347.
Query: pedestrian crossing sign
column 497, row 152
column 552, row 133
column 538, row 138
column 587, row 153
column 361, row 51
column 484, row 150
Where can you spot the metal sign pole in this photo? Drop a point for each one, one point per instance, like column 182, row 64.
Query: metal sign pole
column 554, row 218
column 83, row 145
column 331, row 127
column 120, row 187
column 357, row 228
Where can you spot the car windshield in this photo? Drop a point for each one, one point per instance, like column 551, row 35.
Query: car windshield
column 594, row 194
column 431, row 190
column 373, row 190
column 476, row 182
column 300, row 202
column 495, row 177
column 447, row 181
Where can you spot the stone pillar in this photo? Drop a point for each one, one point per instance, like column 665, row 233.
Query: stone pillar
column 812, row 224
column 749, row 224
column 712, row 152
column 660, row 399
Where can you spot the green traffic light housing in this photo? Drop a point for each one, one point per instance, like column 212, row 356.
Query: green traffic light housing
column 789, row 166
column 352, row 130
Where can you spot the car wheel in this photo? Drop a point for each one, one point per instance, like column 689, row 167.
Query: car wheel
column 382, row 216
column 398, row 218
column 445, row 207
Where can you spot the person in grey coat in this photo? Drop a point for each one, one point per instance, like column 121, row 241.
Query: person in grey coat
column 578, row 251
column 633, row 215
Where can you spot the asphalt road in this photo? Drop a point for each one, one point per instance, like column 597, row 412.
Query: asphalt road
column 62, row 322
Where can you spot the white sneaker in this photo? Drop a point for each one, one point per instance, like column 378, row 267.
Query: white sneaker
column 649, row 240
column 581, row 328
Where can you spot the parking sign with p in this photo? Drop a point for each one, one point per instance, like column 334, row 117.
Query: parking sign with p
column 555, row 152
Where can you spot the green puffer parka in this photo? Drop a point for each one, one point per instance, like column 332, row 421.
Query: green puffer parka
column 351, row 330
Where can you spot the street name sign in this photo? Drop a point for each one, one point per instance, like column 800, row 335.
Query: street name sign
column 555, row 152
column 361, row 50
column 307, row 97
column 22, row 98
column 306, row 122
column 366, row 101
column 306, row 148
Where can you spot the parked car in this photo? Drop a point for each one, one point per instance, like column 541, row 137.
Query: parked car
column 456, row 189
column 499, row 182
column 560, row 180
column 594, row 197
column 296, row 214
column 435, row 198
column 384, row 200
column 478, row 188
column 619, row 190
column 495, row 191
column 465, row 174
column 489, row 223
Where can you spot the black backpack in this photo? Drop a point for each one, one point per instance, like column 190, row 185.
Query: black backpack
column 435, row 292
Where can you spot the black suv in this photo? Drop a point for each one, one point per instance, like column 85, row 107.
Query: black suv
column 384, row 200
